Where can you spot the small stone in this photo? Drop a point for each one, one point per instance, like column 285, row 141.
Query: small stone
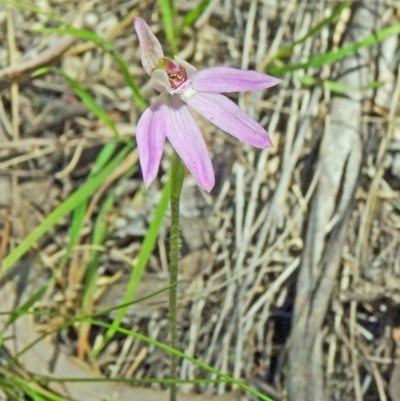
column 91, row 20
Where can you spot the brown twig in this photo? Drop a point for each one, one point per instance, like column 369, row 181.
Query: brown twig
column 47, row 57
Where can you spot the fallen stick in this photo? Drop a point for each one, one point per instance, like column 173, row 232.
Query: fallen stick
column 45, row 58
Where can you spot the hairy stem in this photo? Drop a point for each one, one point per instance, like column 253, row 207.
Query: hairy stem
column 177, row 175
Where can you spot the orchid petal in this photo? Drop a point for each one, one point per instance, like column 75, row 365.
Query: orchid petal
column 190, row 70
column 185, row 136
column 226, row 115
column 150, row 138
column 151, row 50
column 225, row 79
column 159, row 81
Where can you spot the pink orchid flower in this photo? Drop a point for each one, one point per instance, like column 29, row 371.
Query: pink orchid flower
column 181, row 85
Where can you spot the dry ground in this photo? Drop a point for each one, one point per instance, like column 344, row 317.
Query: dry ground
column 290, row 267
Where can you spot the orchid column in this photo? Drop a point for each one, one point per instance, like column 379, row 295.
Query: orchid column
column 182, row 87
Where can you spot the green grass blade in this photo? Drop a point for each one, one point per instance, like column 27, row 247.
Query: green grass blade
column 338, row 87
column 135, row 301
column 76, row 225
column 12, row 394
column 104, row 156
column 333, row 56
column 168, row 17
column 35, row 10
column 109, row 47
column 313, row 31
column 67, row 206
column 100, row 234
column 6, row 384
column 191, row 17
column 37, row 392
column 86, row 98
column 87, row 319
column 24, row 308
column 79, row 212
column 90, row 103
column 184, row 356
column 144, row 254
column 87, row 35
column 131, row 381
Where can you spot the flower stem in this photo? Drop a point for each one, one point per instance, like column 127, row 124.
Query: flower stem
column 177, row 175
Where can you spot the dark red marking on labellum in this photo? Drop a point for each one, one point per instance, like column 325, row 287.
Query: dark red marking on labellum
column 177, row 78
